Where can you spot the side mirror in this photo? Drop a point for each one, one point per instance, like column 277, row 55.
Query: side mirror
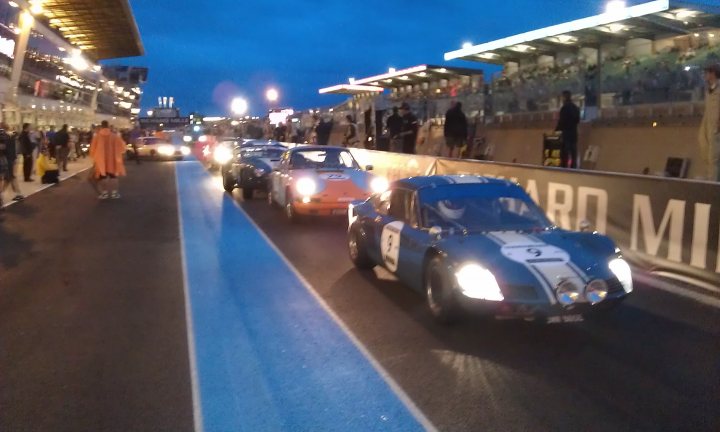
column 369, row 168
column 586, row 226
column 436, row 231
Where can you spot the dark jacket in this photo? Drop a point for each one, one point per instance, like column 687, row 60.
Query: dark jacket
column 394, row 125
column 569, row 120
column 61, row 138
column 7, row 145
column 26, row 144
column 456, row 125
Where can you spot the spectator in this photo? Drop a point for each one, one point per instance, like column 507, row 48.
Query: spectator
column 409, row 131
column 75, row 143
column 47, row 168
column 456, row 129
column 324, row 129
column 281, row 132
column 709, row 136
column 61, row 143
column 27, row 147
column 568, row 124
column 8, row 151
column 394, row 127
column 49, row 136
column 107, row 149
column 350, row 139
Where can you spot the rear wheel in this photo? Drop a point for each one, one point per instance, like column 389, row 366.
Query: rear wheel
column 247, row 193
column 358, row 251
column 440, row 291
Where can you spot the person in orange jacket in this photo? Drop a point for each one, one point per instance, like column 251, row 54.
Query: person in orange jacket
column 106, row 150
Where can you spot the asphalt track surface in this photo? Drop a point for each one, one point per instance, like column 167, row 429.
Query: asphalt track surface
column 93, row 332
column 92, row 315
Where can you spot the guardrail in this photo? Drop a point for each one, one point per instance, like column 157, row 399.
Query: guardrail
column 668, row 226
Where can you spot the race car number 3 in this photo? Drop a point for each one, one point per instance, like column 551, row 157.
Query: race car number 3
column 390, row 244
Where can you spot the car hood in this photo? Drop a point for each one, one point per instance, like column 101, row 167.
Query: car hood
column 333, row 178
column 542, row 259
column 264, row 163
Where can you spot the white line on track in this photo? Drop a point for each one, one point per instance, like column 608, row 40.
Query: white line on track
column 197, row 406
column 679, row 291
column 394, row 386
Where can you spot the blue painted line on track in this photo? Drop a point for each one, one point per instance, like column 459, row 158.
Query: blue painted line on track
column 268, row 356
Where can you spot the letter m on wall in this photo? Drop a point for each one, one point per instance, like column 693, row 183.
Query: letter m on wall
column 670, row 227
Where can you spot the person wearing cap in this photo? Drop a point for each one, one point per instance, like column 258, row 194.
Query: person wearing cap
column 409, row 131
column 709, row 136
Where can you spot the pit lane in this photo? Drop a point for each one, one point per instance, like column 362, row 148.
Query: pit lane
column 652, row 365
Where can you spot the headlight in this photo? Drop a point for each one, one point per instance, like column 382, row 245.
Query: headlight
column 203, row 138
column 306, row 186
column 567, row 293
column 621, row 270
column 222, row 155
column 187, row 138
column 596, row 291
column 477, row 282
column 379, row 185
column 166, row 150
column 259, row 172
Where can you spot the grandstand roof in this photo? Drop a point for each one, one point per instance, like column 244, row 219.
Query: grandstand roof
column 657, row 19
column 103, row 29
column 413, row 75
column 350, row 89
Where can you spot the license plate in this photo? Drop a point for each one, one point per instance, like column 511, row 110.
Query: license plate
column 565, row 319
column 339, row 212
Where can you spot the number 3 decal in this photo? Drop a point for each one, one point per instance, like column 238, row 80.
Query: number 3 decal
column 390, row 244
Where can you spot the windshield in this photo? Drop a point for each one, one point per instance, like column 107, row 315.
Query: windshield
column 262, row 152
column 325, row 158
column 481, row 207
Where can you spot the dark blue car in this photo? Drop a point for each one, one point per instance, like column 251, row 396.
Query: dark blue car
column 482, row 245
column 250, row 165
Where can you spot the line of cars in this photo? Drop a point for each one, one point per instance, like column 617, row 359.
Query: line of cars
column 158, row 149
column 470, row 244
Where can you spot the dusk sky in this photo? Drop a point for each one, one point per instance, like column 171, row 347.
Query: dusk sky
column 203, row 53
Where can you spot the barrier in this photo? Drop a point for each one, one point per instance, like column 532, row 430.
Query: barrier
column 668, row 226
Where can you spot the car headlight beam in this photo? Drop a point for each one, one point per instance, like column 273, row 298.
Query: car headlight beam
column 306, row 186
column 185, row 150
column 166, row 150
column 477, row 282
column 621, row 269
column 379, row 185
column 222, row 155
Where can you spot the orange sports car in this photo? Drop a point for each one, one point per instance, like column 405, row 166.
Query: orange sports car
column 320, row 181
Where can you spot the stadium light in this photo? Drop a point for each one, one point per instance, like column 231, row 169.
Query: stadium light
column 239, row 106
column 272, row 95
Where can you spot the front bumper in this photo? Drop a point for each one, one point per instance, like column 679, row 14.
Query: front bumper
column 536, row 310
column 320, row 208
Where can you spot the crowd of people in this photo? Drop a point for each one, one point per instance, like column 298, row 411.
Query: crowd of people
column 37, row 154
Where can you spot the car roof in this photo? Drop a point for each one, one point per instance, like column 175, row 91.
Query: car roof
column 317, row 148
column 421, row 182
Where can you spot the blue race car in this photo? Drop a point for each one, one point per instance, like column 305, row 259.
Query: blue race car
column 481, row 245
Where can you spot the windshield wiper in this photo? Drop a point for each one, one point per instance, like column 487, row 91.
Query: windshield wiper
column 461, row 227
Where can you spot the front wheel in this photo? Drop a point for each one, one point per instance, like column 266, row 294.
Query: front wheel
column 358, row 251
column 228, row 183
column 440, row 291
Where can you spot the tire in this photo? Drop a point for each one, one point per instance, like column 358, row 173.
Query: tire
column 228, row 183
column 290, row 213
column 247, row 193
column 440, row 292
column 358, row 251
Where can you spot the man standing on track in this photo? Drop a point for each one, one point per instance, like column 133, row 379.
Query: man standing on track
column 456, row 129
column 106, row 150
column 409, row 131
column 709, row 136
column 568, row 124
